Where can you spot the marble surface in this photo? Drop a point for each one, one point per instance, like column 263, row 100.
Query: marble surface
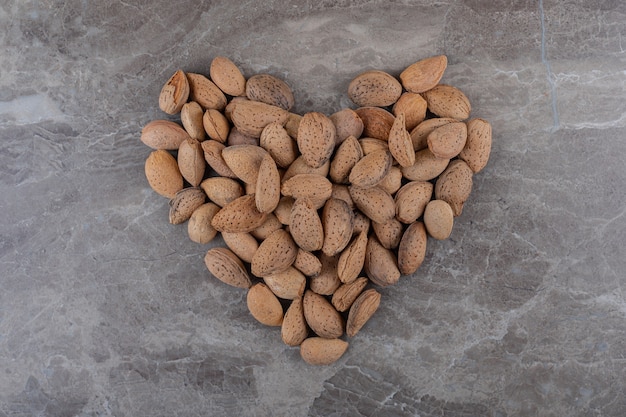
column 107, row 310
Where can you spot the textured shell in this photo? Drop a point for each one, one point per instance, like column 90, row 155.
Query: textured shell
column 267, row 190
column 227, row 76
column 448, row 101
column 191, row 161
column 346, row 156
column 345, row 295
column 162, row 173
column 377, row 122
column 454, row 185
column 412, row 248
column 347, row 123
column 191, row 117
column 288, row 284
column 426, row 167
column 362, row 310
column 224, row 265
column 240, row 215
column 163, row 134
column 327, row 281
column 216, row 125
column 221, row 190
column 370, row 169
column 275, row 254
column 338, row 222
column 414, row 108
column 419, row 135
column 447, row 141
column 264, row 305
column 351, row 260
column 374, row 88
column 478, row 146
column 244, row 161
column 400, row 144
column 438, row 219
column 204, row 92
column 199, row 227
column 184, row 203
column 389, row 234
column 174, row 93
column 316, row 138
column 380, row 264
column 213, row 156
column 270, row 90
column 250, row 117
column 275, row 140
column 322, row 351
column 424, row 74
column 321, row 316
column 243, row 244
column 294, row 329
column 374, row 202
column 305, row 225
column 411, row 200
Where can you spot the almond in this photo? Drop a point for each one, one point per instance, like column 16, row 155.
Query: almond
column 240, row 215
column 305, row 225
column 374, row 88
column 347, row 123
column 267, row 191
column 204, row 92
column 288, row 284
column 400, row 144
column 243, row 244
column 162, row 173
column 321, row 316
column 454, row 185
column 351, row 260
column 426, row 167
column 370, row 169
column 362, row 310
column 380, row 264
column 316, row 139
column 361, row 223
column 221, row 190
column 199, row 227
column 250, row 117
column 235, row 137
column 294, row 329
column 275, row 140
column 224, row 265
column 327, row 281
column 419, row 135
column 307, row 263
column 227, row 76
column 184, row 203
column 163, row 134
column 213, row 156
column 216, row 125
column 347, row 155
column 424, row 74
column 412, row 248
column 270, row 90
column 411, row 200
column 374, row 202
column 293, row 124
column 414, row 108
column 244, row 161
column 478, row 146
column 448, row 141
column 275, row 254
column 269, row 226
column 191, row 117
column 438, row 219
column 392, row 181
column 321, row 351
column 283, row 210
column 312, row 186
column 369, row 145
column 342, row 192
column 377, row 122
column 345, row 295
column 264, row 305
column 299, row 166
column 191, row 161
column 389, row 233
column 174, row 93
column 338, row 222
column 448, row 101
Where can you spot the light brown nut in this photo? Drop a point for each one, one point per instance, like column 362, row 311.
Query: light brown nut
column 338, row 222
column 283, row 210
column 264, row 305
column 426, row 167
column 204, row 92
column 269, row 226
column 305, row 225
column 424, row 74
column 312, row 186
column 412, row 248
column 352, row 259
column 275, row 140
column 294, row 329
column 240, row 215
column 275, row 254
column 411, row 200
column 215, row 125
column 377, row 122
column 307, row 263
column 316, row 139
column 347, row 123
column 227, row 76
column 174, row 93
column 235, row 137
column 244, row 245
column 374, row 88
column 250, row 117
column 327, row 281
column 287, row 284
column 380, row 265
column 400, row 144
column 342, row 192
column 191, row 161
column 447, row 141
column 230, row 106
column 162, row 173
column 221, row 190
column 389, row 234
column 244, row 161
column 454, row 185
column 321, row 351
column 448, row 101
column 267, row 191
column 199, row 227
column 369, row 145
column 362, row 310
column 299, row 166
column 191, row 117
column 419, row 135
column 321, row 316
column 374, row 202
column 292, row 124
column 347, row 155
column 361, row 223
column 270, row 90
column 392, row 181
column 478, row 146
column 213, row 156
column 345, row 295
column 438, row 219
column 224, row 265
column 414, row 108
column 163, row 134
column 370, row 169
column 184, row 203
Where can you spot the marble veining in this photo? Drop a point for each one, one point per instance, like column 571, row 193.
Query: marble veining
column 107, row 310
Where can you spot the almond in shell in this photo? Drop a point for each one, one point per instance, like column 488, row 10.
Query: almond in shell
column 243, row 244
column 163, row 134
column 305, row 225
column 414, row 108
column 216, row 125
column 224, row 265
column 250, row 117
column 352, row 259
column 312, row 186
column 412, row 248
column 162, row 173
column 267, row 190
column 478, row 146
column 275, row 140
column 227, row 76
column 377, row 122
column 240, row 215
column 327, row 281
column 426, row 167
column 213, row 156
column 338, row 222
column 221, row 190
column 307, row 263
column 294, row 329
column 288, row 284
column 316, row 139
column 448, row 101
column 447, row 141
column 389, row 234
column 321, row 316
column 370, row 169
column 275, row 254
column 400, row 144
column 199, row 227
column 191, row 161
column 264, row 305
column 419, row 135
column 374, row 88
column 347, row 155
column 411, row 200
column 454, row 185
column 270, row 90
column 345, row 295
column 244, row 161
column 347, row 123
column 184, row 203
column 374, row 202
column 322, row 351
column 204, row 92
column 424, row 74
column 191, row 117
column 438, row 219
column 381, row 265
column 362, row 310
column 174, row 93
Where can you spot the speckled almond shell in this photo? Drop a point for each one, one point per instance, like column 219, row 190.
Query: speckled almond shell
column 414, row 108
column 191, row 161
column 240, row 215
column 400, row 144
column 244, row 161
column 426, row 167
column 184, row 203
column 389, row 233
column 251, row 117
column 191, row 117
column 174, row 93
column 275, row 254
column 199, row 227
column 478, row 146
column 316, row 139
column 322, row 351
column 216, row 125
column 275, row 140
column 305, row 225
column 224, row 265
column 374, row 88
column 419, row 135
column 454, row 185
column 299, row 166
column 270, row 90
column 163, row 134
column 204, row 92
column 264, row 305
column 347, row 123
column 345, row 295
column 352, row 258
column 327, row 281
column 307, row 263
column 412, row 248
column 162, row 173
column 346, row 156
column 424, row 74
column 321, row 316
column 374, row 202
column 213, row 156
column 315, row 187
column 392, row 181
column 362, row 310
column 377, row 122
column 288, row 284
column 294, row 328
column 447, row 141
column 221, row 190
column 380, row 265
column 243, row 244
column 370, row 169
column 448, row 101
column 338, row 222
column 438, row 219
column 227, row 76
column 411, row 200
column 267, row 190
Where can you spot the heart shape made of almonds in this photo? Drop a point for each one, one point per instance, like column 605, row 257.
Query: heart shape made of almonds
column 318, row 213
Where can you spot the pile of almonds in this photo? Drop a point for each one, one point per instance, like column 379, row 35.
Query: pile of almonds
column 317, row 212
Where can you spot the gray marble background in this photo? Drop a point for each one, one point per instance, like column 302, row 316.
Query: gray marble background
column 107, row 310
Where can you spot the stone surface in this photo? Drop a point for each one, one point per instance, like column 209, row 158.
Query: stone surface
column 106, row 309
